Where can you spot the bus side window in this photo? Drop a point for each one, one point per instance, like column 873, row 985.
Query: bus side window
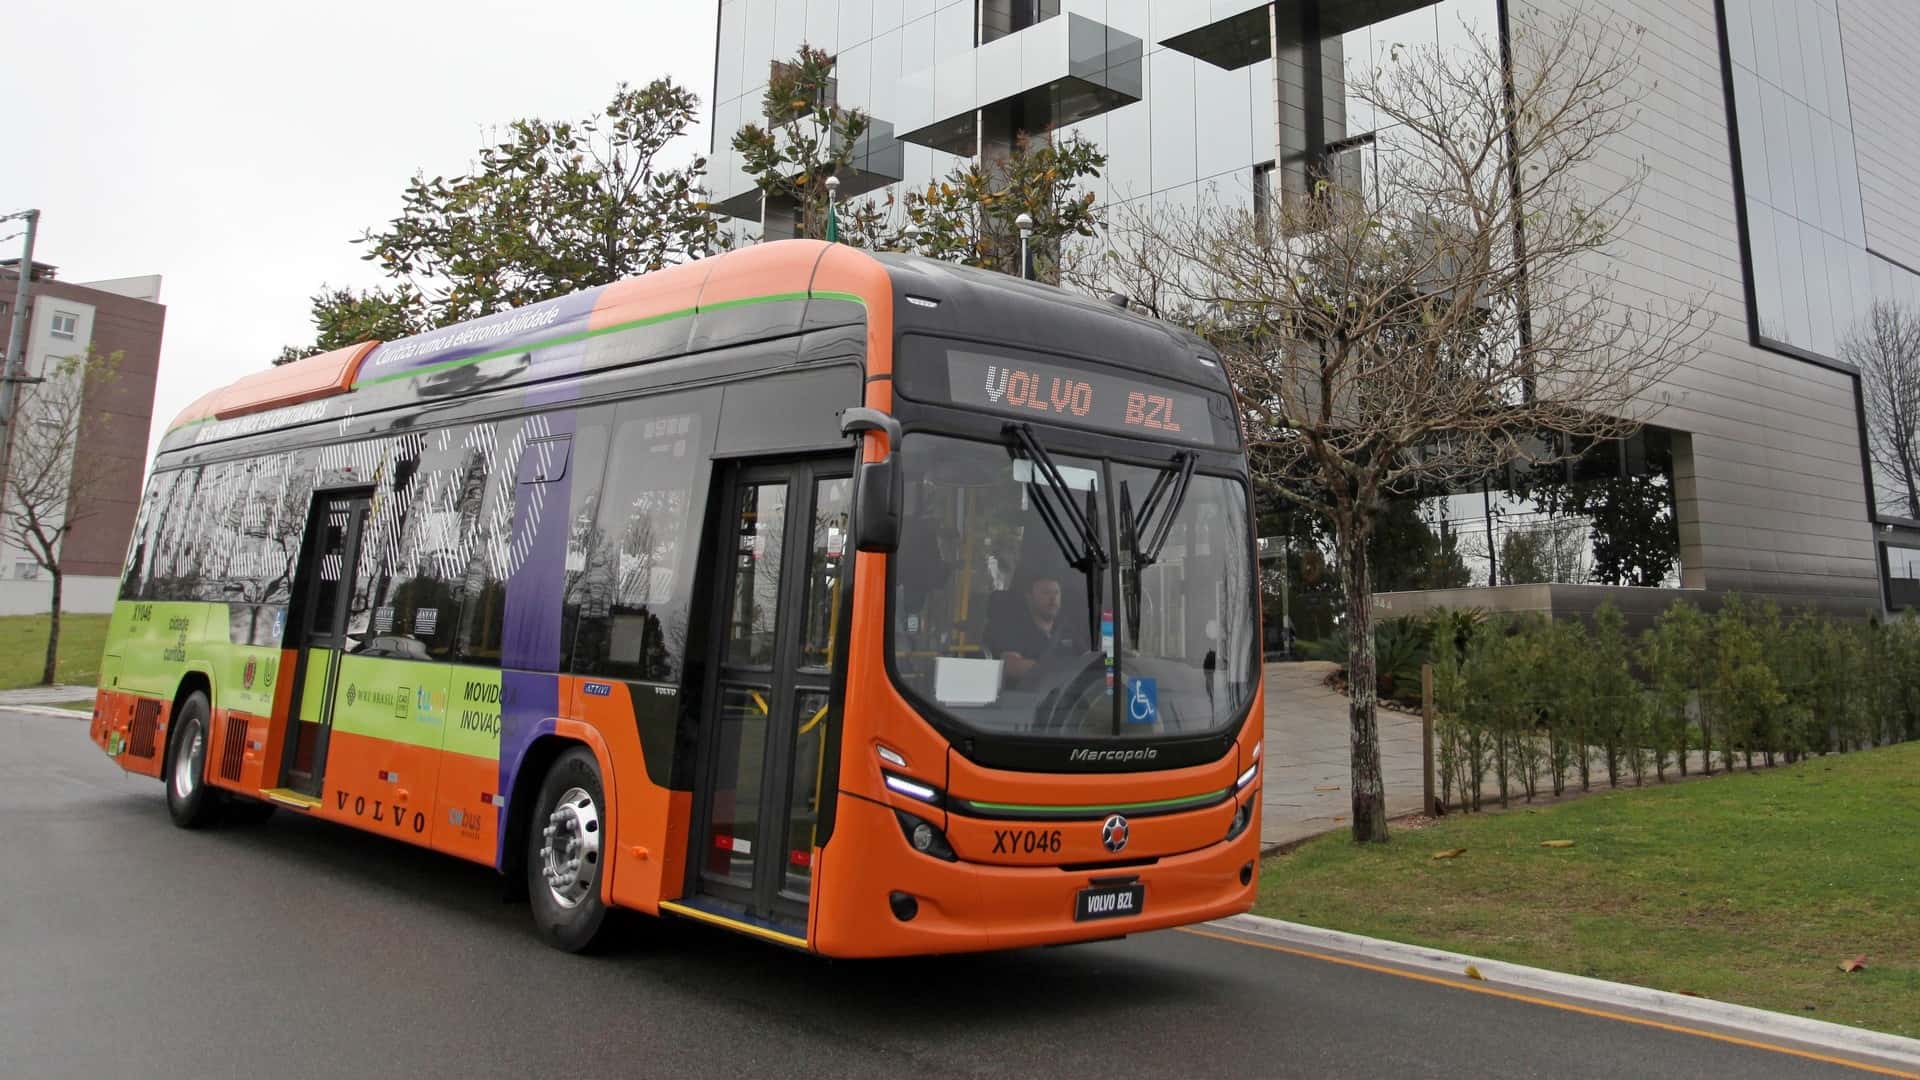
column 173, row 559
column 582, row 576
column 479, row 583
column 635, row 566
column 142, row 550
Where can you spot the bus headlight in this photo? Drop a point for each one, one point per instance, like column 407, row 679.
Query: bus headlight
column 1242, row 815
column 924, row 836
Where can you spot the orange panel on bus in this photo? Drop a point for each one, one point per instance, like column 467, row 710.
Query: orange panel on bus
column 381, row 786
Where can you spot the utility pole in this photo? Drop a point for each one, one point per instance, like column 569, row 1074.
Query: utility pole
column 15, row 371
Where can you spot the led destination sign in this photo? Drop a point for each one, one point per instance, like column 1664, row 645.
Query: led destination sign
column 1108, row 401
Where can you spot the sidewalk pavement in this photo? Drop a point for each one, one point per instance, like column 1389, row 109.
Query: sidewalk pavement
column 45, row 695
column 1309, row 759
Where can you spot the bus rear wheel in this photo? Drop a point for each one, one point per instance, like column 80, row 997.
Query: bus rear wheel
column 190, row 801
column 566, row 849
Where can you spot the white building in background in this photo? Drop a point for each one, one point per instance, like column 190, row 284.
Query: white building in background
column 1781, row 143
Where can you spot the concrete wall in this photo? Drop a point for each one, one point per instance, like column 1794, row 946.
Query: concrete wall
column 80, row 594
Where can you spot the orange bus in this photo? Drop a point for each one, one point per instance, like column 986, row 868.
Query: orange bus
column 866, row 604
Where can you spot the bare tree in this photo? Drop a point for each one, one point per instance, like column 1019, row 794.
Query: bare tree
column 53, row 483
column 1886, row 349
column 1449, row 309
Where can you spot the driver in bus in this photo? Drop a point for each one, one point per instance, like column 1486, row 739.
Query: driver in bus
column 1022, row 640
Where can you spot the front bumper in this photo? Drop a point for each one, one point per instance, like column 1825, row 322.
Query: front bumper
column 973, row 907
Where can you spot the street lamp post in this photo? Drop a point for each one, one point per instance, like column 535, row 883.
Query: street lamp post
column 1025, row 222
column 15, row 371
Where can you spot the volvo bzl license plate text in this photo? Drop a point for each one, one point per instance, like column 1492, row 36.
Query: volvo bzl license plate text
column 1109, row 902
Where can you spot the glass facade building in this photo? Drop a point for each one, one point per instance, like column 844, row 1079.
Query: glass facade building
column 1777, row 138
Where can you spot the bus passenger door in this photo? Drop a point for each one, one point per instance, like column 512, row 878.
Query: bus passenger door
column 334, row 532
column 767, row 728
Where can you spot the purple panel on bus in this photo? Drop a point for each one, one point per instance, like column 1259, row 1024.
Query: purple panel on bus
column 529, row 702
column 503, row 332
column 537, row 584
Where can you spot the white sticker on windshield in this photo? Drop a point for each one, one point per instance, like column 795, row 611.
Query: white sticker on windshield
column 1076, row 478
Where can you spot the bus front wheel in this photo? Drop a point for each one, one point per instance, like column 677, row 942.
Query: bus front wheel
column 566, row 849
column 190, row 801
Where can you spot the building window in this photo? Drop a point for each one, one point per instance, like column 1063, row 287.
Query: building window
column 1903, row 577
column 1263, row 193
column 26, row 569
column 64, row 324
column 1814, row 279
column 998, row 18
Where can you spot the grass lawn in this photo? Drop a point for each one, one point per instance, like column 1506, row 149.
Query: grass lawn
column 1750, row 888
column 23, row 649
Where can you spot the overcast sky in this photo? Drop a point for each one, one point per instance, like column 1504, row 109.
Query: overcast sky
column 238, row 148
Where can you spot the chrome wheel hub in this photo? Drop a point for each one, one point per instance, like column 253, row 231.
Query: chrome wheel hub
column 186, row 764
column 570, row 848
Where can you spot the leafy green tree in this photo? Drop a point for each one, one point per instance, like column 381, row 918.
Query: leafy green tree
column 1412, row 554
column 1568, row 679
column 1674, row 653
column 554, row 207
column 971, row 216
column 1546, row 551
column 344, row 317
column 1618, row 709
column 1744, row 692
column 807, row 139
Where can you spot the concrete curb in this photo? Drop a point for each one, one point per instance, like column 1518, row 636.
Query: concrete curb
column 47, row 710
column 1759, row 1023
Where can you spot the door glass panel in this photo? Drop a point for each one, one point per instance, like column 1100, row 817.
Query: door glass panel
column 761, row 529
column 831, row 498
column 332, row 568
column 741, row 743
column 803, row 792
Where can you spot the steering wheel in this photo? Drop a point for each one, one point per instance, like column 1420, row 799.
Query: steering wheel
column 1059, row 709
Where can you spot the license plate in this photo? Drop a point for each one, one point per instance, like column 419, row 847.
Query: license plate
column 1109, row 902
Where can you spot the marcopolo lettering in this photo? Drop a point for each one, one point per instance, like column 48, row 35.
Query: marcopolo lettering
column 1082, row 753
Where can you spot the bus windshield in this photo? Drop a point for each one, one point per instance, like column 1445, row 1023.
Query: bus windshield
column 996, row 627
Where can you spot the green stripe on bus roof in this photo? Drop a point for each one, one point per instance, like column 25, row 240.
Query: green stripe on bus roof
column 1102, row 808
column 583, row 335
column 568, row 339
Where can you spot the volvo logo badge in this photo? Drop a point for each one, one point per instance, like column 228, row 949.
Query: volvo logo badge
column 1114, row 833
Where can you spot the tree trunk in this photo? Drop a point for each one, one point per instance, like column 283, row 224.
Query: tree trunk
column 51, row 668
column 1369, row 794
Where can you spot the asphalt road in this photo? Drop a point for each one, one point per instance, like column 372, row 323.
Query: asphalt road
column 296, row 949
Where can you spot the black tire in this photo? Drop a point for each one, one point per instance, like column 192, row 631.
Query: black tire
column 192, row 802
column 568, row 912
column 244, row 811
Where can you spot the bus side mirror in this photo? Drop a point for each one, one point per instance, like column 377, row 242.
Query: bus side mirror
column 878, row 492
column 877, row 518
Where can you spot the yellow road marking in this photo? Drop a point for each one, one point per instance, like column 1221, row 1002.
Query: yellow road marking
column 1585, row 1010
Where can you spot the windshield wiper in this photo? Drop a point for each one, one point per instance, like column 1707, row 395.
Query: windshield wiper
column 1088, row 556
column 1171, row 486
column 1085, row 556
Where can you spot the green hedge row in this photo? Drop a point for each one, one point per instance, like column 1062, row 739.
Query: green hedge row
column 1526, row 705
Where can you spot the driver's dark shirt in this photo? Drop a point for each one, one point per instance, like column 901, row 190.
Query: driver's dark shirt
column 1025, row 637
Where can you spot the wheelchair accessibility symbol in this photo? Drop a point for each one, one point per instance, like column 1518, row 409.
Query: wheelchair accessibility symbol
column 1143, row 701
